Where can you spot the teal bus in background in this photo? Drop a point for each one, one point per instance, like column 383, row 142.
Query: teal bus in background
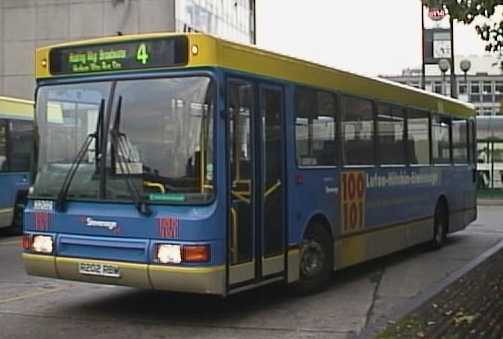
column 16, row 144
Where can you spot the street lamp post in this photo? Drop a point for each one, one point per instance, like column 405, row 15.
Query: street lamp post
column 454, row 87
column 444, row 66
column 253, row 21
column 465, row 66
column 423, row 66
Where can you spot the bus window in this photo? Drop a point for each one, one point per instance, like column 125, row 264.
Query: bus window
column 67, row 115
column 441, row 139
column 358, row 131
column 315, row 128
column 418, row 143
column 3, row 146
column 21, row 135
column 391, row 135
column 168, row 144
column 460, row 141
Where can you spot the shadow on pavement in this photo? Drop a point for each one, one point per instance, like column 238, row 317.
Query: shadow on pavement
column 156, row 306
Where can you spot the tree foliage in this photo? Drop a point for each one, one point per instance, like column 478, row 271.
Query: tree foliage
column 467, row 10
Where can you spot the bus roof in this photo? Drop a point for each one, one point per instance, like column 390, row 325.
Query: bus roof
column 16, row 108
column 215, row 52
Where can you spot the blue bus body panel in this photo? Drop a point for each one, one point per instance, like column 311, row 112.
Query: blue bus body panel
column 135, row 238
column 123, row 249
column 131, row 236
column 10, row 184
column 385, row 204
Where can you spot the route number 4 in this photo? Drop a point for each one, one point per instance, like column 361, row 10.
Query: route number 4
column 142, row 54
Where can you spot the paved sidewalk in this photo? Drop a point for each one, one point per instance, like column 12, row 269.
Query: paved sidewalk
column 470, row 307
column 490, row 201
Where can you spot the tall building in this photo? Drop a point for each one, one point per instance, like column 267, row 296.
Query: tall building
column 482, row 87
column 28, row 24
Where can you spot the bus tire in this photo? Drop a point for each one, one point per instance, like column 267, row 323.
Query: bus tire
column 440, row 225
column 316, row 260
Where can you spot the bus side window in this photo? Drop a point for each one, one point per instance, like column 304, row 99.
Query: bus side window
column 391, row 135
column 418, row 137
column 21, row 135
column 358, row 131
column 441, row 142
column 315, row 128
column 460, row 141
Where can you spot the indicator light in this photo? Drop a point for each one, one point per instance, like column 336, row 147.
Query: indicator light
column 196, row 253
column 195, row 50
column 26, row 241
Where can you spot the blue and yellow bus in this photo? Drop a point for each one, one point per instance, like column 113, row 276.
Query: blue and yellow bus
column 186, row 163
column 16, row 142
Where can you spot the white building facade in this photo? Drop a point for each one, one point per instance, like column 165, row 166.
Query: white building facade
column 483, row 85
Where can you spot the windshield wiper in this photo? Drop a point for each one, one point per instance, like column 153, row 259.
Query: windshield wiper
column 119, row 145
column 63, row 192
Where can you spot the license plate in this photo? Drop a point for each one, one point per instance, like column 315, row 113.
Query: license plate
column 102, row 270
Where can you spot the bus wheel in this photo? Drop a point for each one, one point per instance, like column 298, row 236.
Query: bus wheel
column 316, row 261
column 440, row 225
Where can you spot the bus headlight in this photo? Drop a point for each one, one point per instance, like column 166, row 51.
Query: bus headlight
column 169, row 254
column 42, row 244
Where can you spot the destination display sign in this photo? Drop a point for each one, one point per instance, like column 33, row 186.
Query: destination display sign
column 119, row 56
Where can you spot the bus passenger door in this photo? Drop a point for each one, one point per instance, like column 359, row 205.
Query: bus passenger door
column 272, row 182
column 256, row 233
column 242, row 216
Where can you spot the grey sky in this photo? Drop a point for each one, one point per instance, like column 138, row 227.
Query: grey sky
column 377, row 37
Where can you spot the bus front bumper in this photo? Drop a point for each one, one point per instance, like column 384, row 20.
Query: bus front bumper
column 204, row 280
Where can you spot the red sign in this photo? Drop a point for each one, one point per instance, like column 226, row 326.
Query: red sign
column 353, row 185
column 436, row 14
column 168, row 227
column 42, row 221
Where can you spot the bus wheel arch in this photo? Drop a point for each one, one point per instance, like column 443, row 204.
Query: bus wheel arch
column 440, row 222
column 319, row 220
column 316, row 256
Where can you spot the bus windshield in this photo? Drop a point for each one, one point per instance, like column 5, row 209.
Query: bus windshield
column 159, row 140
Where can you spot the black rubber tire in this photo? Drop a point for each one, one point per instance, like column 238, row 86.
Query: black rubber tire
column 318, row 245
column 440, row 225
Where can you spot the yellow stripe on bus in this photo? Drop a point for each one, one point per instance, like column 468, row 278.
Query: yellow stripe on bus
column 16, row 107
column 216, row 52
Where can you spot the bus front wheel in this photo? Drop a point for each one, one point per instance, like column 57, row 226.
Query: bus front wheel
column 440, row 225
column 316, row 260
